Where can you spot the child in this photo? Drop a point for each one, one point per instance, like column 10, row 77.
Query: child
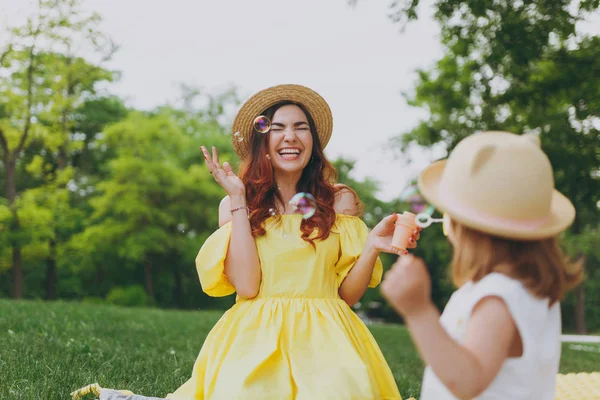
column 499, row 335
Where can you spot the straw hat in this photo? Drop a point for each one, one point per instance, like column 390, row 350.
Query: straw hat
column 499, row 183
column 316, row 106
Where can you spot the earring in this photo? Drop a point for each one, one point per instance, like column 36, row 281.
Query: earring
column 268, row 157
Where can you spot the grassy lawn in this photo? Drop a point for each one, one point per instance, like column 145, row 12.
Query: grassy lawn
column 49, row 349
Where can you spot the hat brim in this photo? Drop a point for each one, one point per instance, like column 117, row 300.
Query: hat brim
column 562, row 212
column 316, row 106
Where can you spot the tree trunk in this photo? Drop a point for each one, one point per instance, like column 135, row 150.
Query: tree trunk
column 51, row 272
column 100, row 275
column 17, row 271
column 148, row 277
column 580, row 327
column 177, row 286
column 10, row 166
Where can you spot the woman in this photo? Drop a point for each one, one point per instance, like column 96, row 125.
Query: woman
column 291, row 333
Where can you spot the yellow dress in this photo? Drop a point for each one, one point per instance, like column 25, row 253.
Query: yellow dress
column 297, row 339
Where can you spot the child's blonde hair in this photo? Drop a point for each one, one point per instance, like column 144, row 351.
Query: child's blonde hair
column 541, row 265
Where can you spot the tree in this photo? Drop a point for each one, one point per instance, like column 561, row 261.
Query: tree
column 155, row 203
column 521, row 67
column 41, row 82
column 134, row 213
column 73, row 83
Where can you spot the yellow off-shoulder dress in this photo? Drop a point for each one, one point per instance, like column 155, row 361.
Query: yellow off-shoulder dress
column 297, row 339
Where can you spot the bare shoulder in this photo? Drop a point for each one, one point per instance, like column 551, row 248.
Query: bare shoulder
column 224, row 211
column 346, row 200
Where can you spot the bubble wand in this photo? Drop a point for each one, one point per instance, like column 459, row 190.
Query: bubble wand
column 425, row 220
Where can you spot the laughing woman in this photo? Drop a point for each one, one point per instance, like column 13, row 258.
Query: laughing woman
column 291, row 333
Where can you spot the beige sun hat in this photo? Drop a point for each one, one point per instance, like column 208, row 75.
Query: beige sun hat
column 499, row 183
column 316, row 106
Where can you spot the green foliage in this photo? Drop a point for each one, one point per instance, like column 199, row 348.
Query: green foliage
column 521, row 67
column 43, row 80
column 129, row 296
column 584, row 244
column 93, row 300
column 155, row 199
column 104, row 197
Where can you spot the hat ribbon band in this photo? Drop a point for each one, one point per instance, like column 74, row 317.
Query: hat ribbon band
column 499, row 222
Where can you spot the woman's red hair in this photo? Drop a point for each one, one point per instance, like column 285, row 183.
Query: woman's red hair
column 317, row 178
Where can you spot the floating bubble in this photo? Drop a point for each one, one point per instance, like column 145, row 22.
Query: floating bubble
column 272, row 212
column 305, row 204
column 262, row 124
column 238, row 137
column 417, row 203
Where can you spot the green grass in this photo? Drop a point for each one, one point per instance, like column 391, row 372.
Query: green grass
column 49, row 349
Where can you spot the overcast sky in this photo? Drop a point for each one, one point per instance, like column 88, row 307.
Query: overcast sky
column 355, row 57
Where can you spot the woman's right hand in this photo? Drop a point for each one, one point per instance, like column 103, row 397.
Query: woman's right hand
column 380, row 238
column 224, row 175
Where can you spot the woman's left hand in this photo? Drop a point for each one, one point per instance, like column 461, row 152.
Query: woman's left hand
column 380, row 238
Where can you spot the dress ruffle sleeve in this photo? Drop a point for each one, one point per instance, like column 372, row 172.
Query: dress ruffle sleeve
column 353, row 236
column 210, row 263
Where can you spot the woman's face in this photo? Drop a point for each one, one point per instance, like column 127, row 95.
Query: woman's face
column 290, row 140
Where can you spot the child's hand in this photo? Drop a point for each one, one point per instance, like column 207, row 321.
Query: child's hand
column 407, row 286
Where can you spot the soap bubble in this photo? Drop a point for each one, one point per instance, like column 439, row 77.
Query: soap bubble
column 305, row 204
column 262, row 124
column 238, row 137
column 417, row 203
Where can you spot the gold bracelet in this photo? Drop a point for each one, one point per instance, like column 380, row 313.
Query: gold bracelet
column 240, row 208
